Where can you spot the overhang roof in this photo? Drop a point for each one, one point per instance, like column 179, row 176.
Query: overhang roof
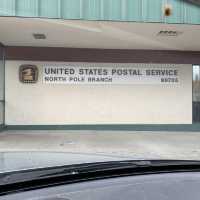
column 97, row 34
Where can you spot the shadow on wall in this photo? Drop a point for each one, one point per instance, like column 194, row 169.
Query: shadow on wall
column 195, row 2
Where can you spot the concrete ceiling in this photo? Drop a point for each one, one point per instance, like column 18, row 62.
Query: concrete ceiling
column 97, row 34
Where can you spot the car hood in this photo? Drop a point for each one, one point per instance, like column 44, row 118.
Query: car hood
column 17, row 161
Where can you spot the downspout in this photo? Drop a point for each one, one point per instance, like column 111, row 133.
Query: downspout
column 2, row 125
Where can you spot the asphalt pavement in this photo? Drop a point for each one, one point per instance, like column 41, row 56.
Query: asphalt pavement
column 142, row 145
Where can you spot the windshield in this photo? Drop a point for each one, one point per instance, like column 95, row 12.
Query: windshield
column 98, row 81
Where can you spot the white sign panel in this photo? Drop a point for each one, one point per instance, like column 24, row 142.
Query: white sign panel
column 110, row 74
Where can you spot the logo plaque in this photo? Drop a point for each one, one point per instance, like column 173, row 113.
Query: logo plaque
column 28, row 73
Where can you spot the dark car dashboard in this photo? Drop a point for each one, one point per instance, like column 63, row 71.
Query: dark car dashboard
column 165, row 186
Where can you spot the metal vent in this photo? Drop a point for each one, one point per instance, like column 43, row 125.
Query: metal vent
column 39, row 36
column 168, row 33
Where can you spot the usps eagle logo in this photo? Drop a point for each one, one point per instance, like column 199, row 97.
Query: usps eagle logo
column 28, row 74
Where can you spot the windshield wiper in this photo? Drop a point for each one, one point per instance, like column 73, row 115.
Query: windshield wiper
column 51, row 176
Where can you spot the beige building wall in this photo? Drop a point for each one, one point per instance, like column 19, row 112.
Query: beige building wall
column 58, row 104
